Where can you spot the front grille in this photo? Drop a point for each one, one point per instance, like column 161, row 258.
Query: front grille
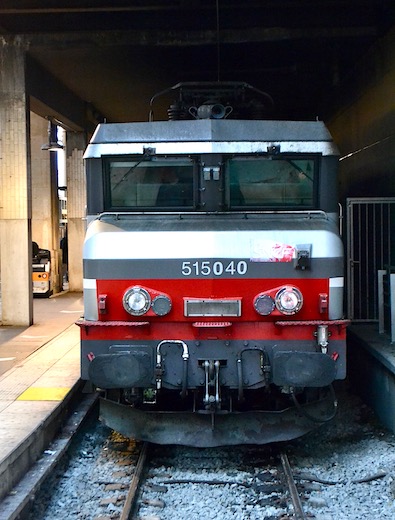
column 211, row 308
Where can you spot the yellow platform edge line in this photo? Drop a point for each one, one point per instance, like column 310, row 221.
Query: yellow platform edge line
column 44, row 394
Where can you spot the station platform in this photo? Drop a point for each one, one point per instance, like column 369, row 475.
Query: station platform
column 39, row 372
column 371, row 369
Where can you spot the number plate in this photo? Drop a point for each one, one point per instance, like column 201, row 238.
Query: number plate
column 212, row 308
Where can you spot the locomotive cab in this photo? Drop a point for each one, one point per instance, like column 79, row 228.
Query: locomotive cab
column 213, row 272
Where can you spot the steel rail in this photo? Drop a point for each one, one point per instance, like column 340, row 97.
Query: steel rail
column 134, row 485
column 297, row 504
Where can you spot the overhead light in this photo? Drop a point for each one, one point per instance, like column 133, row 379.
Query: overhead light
column 53, row 144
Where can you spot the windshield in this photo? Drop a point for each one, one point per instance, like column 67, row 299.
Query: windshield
column 188, row 184
column 150, row 183
column 266, row 182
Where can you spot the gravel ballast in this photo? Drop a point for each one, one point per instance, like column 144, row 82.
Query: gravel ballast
column 331, row 462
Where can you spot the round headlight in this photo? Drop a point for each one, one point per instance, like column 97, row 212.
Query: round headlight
column 161, row 305
column 289, row 300
column 264, row 304
column 136, row 301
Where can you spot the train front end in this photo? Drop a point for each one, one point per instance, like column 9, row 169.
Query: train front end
column 213, row 278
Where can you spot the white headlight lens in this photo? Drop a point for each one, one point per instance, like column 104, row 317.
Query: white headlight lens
column 289, row 300
column 136, row 301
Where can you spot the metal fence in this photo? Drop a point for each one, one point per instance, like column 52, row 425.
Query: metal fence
column 370, row 251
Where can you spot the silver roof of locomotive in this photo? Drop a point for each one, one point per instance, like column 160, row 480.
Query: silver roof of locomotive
column 211, row 136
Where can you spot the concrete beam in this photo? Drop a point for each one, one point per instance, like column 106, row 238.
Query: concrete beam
column 193, row 37
column 49, row 97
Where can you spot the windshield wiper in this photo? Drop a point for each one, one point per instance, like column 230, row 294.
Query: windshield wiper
column 144, row 158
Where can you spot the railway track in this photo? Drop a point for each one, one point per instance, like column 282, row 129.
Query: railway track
column 131, row 498
column 108, row 477
column 298, row 511
column 103, row 476
column 140, row 481
column 234, row 488
column 135, row 504
column 18, row 503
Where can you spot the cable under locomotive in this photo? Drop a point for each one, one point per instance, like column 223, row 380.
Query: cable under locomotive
column 213, row 272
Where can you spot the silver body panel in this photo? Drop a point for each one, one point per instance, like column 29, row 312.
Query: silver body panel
column 211, row 136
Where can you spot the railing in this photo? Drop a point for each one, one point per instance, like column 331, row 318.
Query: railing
column 370, row 248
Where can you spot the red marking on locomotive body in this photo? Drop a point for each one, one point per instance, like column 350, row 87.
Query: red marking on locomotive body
column 244, row 288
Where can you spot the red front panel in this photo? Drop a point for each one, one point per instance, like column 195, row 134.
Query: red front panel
column 244, row 289
column 117, row 324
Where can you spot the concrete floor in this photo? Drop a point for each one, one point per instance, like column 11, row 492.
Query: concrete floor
column 51, row 316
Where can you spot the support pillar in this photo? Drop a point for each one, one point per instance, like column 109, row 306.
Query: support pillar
column 76, row 207
column 15, row 187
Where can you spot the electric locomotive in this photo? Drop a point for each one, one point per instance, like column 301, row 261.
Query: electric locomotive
column 213, row 272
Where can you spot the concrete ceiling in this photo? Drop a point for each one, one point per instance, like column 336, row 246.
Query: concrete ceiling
column 117, row 54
